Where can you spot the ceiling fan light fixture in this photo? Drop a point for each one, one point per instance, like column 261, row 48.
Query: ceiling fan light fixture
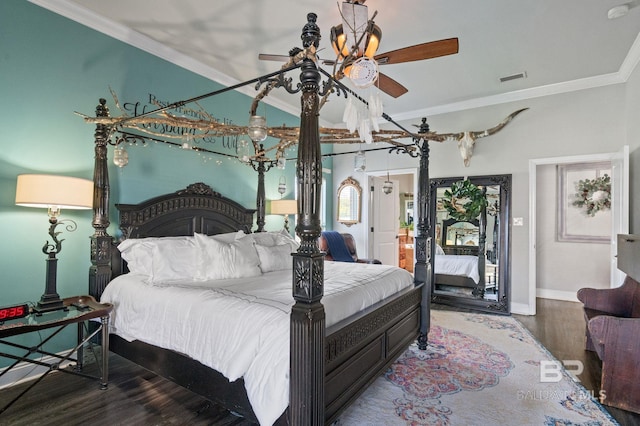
column 374, row 35
column 339, row 42
column 355, row 19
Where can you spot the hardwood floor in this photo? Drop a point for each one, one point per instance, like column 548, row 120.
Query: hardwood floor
column 560, row 327
column 138, row 397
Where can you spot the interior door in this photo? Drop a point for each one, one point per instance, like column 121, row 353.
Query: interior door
column 386, row 220
column 619, row 208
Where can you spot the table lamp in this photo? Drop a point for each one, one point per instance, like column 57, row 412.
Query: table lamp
column 54, row 193
column 284, row 207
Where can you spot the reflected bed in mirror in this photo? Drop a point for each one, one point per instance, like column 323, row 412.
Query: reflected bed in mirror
column 470, row 264
column 349, row 202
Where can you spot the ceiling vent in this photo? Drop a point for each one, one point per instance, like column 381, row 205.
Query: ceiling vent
column 513, row 77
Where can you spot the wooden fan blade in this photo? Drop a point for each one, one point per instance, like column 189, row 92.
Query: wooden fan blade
column 432, row 49
column 279, row 58
column 390, row 86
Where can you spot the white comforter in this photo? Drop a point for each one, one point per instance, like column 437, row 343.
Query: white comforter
column 451, row 264
column 240, row 327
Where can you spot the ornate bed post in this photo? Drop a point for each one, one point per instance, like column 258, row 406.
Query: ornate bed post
column 260, row 197
column 422, row 269
column 306, row 396
column 101, row 241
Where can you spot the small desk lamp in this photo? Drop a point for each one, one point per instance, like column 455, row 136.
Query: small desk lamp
column 53, row 193
column 284, row 207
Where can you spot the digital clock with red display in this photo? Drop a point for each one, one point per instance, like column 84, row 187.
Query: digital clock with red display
column 15, row 311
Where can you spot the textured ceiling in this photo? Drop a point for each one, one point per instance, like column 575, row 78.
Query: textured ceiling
column 561, row 45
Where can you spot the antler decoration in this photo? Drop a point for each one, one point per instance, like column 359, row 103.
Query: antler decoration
column 467, row 140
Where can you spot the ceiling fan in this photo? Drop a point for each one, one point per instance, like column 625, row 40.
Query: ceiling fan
column 362, row 39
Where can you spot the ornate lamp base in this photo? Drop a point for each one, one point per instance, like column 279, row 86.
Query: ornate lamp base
column 48, row 303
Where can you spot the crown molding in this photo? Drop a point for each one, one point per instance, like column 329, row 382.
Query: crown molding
column 115, row 30
column 517, row 95
column 631, row 61
column 120, row 32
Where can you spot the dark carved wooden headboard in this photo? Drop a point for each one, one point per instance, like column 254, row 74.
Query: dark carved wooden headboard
column 198, row 208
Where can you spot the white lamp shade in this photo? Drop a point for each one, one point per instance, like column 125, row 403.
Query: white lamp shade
column 51, row 190
column 284, row 207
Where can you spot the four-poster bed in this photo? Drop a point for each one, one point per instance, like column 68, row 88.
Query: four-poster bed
column 328, row 366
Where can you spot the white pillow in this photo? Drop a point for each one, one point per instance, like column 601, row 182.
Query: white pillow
column 220, row 260
column 283, row 237
column 175, row 260
column 137, row 256
column 274, row 258
column 137, row 252
column 162, row 258
column 439, row 249
column 267, row 239
column 273, row 238
column 228, row 237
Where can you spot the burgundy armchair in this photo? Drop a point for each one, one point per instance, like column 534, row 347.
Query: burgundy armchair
column 613, row 332
column 351, row 246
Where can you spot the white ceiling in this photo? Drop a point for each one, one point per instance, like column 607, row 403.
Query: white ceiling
column 562, row 45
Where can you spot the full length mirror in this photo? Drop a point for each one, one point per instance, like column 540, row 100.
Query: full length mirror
column 470, row 242
column 349, row 201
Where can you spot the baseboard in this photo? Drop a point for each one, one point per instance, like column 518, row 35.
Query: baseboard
column 569, row 296
column 24, row 371
column 521, row 309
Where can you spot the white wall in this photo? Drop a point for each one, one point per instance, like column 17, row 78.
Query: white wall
column 582, row 122
column 564, row 266
column 632, row 128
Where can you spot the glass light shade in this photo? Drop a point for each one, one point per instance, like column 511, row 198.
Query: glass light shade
column 257, row 128
column 187, row 141
column 49, row 191
column 120, row 156
column 282, row 185
column 387, row 187
column 373, row 41
column 360, row 162
column 281, row 163
column 242, row 149
column 339, row 42
column 284, row 207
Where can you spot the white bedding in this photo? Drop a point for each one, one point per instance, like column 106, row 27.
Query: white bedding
column 451, row 264
column 240, row 327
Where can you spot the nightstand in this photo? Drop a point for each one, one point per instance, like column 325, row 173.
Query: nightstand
column 78, row 310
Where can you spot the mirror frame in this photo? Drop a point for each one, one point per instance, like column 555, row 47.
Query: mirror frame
column 345, row 184
column 503, row 304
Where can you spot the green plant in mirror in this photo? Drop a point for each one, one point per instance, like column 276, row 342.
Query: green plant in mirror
column 464, row 201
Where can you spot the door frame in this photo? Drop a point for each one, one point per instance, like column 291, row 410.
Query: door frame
column 622, row 216
column 367, row 200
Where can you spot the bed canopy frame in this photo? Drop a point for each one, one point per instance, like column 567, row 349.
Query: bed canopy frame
column 307, row 329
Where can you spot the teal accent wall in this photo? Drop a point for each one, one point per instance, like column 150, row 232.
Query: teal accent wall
column 51, row 67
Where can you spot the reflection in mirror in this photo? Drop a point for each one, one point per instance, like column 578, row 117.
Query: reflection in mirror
column 349, row 201
column 470, row 261
column 461, row 234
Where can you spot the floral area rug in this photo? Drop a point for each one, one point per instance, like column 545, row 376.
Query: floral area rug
column 478, row 369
